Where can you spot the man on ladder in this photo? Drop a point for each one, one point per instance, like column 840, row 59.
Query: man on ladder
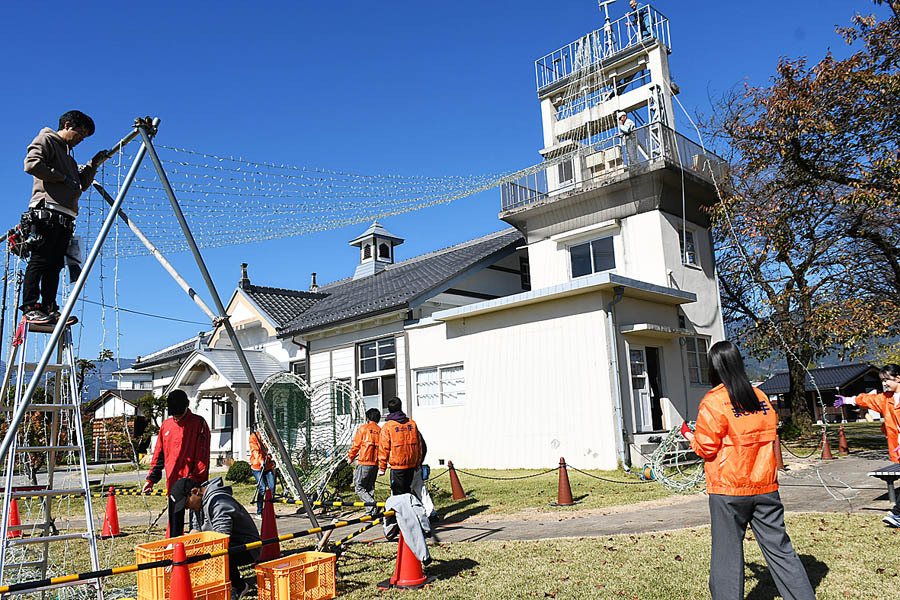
column 50, row 220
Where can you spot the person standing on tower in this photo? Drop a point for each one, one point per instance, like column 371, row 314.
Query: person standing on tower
column 182, row 448
column 58, row 183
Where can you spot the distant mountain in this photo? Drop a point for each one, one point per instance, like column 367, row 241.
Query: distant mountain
column 102, row 378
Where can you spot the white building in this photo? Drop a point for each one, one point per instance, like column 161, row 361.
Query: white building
column 579, row 332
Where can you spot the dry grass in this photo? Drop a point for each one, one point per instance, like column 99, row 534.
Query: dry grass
column 846, row 556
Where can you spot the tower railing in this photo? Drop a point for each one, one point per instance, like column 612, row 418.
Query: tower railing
column 598, row 164
column 642, row 26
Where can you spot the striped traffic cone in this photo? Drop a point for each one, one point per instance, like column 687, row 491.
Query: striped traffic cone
column 180, row 586
column 111, row 518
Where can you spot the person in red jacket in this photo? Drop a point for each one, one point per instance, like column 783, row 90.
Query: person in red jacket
column 735, row 435
column 888, row 404
column 182, row 448
column 365, row 451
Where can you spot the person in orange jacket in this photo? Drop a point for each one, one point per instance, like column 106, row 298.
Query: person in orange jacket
column 365, row 451
column 263, row 469
column 888, row 404
column 182, row 448
column 401, row 446
column 735, row 435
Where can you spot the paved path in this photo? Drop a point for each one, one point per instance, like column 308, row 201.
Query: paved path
column 802, row 490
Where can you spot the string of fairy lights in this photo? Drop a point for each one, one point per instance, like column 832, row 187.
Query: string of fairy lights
column 231, row 200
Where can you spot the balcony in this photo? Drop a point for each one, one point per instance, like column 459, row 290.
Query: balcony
column 590, row 167
column 636, row 28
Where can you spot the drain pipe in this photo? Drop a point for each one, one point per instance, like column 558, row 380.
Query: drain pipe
column 618, row 292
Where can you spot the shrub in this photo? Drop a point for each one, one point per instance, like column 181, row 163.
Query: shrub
column 239, row 472
column 790, row 431
column 342, row 480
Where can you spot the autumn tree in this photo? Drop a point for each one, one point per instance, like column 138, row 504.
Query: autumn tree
column 806, row 234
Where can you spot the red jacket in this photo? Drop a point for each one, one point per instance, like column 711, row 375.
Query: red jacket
column 889, row 407
column 183, row 448
column 738, row 447
column 365, row 444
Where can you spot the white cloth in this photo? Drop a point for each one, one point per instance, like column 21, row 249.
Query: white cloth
column 626, row 127
column 421, row 491
column 413, row 522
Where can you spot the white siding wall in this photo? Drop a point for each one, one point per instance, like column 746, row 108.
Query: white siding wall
column 320, row 366
column 537, row 387
column 342, row 363
column 400, row 348
column 113, row 407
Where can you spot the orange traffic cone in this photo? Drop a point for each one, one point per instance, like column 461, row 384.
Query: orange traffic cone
column 564, row 491
column 843, row 447
column 408, row 573
column 269, row 530
column 455, row 485
column 826, row 449
column 111, row 518
column 180, row 586
column 14, row 520
column 779, row 459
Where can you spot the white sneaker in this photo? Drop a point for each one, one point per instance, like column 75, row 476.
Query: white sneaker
column 892, row 520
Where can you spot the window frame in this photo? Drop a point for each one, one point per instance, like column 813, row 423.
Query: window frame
column 217, row 416
column 701, row 371
column 441, row 394
column 589, row 243
column 683, row 232
column 377, row 357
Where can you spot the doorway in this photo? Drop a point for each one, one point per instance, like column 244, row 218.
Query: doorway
column 646, row 388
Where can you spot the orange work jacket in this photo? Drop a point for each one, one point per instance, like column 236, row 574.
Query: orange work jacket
column 365, row 444
column 738, row 447
column 399, row 446
column 887, row 405
column 257, row 454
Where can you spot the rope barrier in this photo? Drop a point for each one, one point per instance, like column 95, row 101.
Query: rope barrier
column 505, row 478
column 789, row 451
column 606, row 480
column 39, row 583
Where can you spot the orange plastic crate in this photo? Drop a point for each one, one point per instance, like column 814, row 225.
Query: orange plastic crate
column 303, row 576
column 220, row 591
column 153, row 584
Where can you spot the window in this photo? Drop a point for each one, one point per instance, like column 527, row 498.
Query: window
column 384, row 251
column 379, row 355
column 298, row 367
column 223, row 413
column 565, row 171
column 595, row 256
column 687, row 246
column 367, row 251
column 343, row 400
column 440, row 386
column 377, row 391
column 525, row 273
column 698, row 365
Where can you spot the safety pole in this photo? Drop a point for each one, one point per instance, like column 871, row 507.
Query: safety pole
column 66, row 311
column 159, row 257
column 226, row 323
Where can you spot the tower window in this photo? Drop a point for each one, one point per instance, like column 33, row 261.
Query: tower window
column 384, row 251
column 367, row 251
column 592, row 257
column 565, row 172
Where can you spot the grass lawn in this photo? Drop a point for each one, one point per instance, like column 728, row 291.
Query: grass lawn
column 846, row 556
column 860, row 436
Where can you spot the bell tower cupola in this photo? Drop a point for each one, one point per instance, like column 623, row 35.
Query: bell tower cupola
column 376, row 250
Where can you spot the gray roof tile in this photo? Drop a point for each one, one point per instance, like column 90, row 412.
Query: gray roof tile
column 280, row 304
column 825, row 378
column 398, row 284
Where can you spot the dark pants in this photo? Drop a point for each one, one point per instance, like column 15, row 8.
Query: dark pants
column 236, row 560
column 729, row 517
column 176, row 521
column 42, row 273
column 401, row 481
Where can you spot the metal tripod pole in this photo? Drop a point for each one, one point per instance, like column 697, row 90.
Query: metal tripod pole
column 66, row 311
column 224, row 320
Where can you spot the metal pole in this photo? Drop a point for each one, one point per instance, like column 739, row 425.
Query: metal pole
column 119, row 145
column 159, row 257
column 70, row 302
column 239, row 351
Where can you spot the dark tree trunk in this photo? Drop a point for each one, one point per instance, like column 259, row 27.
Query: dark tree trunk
column 800, row 415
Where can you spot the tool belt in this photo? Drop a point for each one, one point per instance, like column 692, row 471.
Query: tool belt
column 47, row 217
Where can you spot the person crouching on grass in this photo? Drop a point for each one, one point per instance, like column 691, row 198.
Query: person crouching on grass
column 735, row 435
column 888, row 404
column 220, row 512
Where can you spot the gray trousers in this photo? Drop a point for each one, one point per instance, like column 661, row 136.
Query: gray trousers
column 364, row 485
column 729, row 517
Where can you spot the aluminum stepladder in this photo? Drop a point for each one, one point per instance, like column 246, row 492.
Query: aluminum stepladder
column 62, row 403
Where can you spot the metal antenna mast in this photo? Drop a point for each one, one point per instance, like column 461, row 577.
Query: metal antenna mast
column 609, row 42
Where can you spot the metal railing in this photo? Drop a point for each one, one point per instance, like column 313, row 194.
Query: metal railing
column 635, row 28
column 595, row 165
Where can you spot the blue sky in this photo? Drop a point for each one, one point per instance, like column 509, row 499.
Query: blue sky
column 407, row 88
